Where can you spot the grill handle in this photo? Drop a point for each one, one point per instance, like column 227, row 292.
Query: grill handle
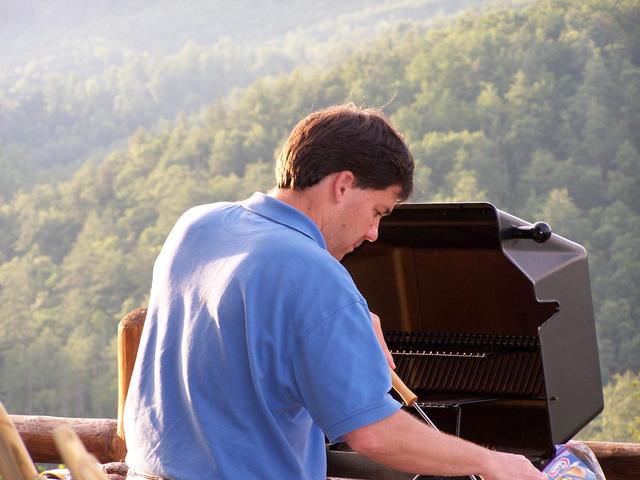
column 408, row 397
column 539, row 232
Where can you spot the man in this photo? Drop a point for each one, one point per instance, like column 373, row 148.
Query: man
column 257, row 343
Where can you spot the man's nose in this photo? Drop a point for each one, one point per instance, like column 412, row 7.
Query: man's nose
column 372, row 233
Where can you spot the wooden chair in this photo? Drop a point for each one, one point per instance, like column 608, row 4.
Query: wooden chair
column 79, row 461
column 15, row 462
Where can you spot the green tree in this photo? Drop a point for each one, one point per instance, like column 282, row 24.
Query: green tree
column 620, row 421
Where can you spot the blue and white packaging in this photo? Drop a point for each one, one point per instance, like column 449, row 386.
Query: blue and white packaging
column 574, row 461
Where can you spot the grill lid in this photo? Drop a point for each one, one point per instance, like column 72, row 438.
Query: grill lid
column 490, row 319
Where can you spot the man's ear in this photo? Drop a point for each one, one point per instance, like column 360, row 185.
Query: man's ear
column 342, row 183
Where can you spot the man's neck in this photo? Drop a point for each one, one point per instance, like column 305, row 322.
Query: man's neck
column 319, row 203
column 307, row 201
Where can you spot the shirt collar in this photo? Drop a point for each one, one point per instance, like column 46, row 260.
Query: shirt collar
column 280, row 212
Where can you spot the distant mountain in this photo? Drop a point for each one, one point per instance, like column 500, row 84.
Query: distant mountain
column 38, row 28
column 77, row 78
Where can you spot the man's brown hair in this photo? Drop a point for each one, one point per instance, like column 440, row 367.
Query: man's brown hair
column 346, row 137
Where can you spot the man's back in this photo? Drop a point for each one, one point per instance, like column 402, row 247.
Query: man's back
column 247, row 313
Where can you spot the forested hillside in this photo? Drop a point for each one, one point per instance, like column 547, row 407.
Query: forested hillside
column 535, row 108
column 77, row 78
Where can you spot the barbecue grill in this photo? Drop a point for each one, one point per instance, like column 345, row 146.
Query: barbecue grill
column 490, row 322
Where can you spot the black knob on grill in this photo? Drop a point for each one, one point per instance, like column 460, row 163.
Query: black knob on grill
column 539, row 232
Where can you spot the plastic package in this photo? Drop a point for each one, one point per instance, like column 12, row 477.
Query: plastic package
column 574, row 461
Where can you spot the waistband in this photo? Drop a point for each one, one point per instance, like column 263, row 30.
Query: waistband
column 133, row 474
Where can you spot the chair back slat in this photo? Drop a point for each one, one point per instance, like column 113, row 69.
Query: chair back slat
column 15, row 462
column 79, row 461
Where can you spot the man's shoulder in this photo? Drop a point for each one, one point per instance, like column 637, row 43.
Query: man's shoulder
column 213, row 219
column 199, row 212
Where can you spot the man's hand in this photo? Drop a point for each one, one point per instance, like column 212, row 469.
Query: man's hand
column 377, row 327
column 506, row 466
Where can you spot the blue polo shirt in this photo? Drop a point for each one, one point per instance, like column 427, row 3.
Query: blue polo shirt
column 256, row 345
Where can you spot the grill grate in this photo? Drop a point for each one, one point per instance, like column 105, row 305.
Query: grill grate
column 478, row 364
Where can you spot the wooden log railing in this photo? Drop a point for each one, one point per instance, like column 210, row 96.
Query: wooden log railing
column 104, row 438
column 619, row 461
column 99, row 435
column 129, row 332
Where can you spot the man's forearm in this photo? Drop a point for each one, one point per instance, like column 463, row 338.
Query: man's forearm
column 404, row 443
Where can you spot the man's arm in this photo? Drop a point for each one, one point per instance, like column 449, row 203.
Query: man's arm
column 404, row 443
column 377, row 328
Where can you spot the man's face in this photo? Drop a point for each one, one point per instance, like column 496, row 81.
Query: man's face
column 357, row 218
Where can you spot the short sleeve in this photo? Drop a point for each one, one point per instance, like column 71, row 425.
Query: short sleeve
column 342, row 374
